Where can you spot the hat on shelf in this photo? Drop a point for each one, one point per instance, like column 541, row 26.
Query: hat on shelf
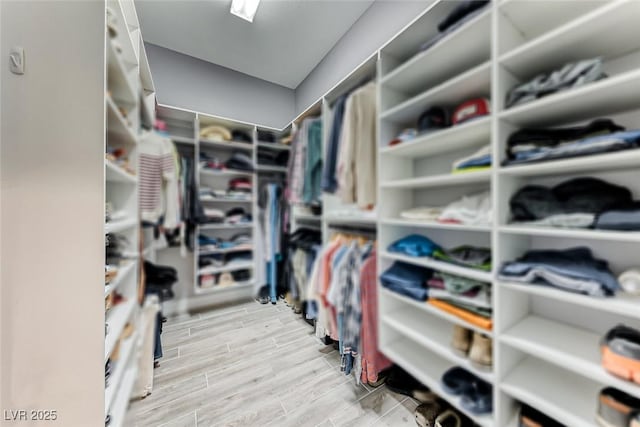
column 471, row 109
column 215, row 132
column 241, row 136
column 432, row 119
column 405, row 135
column 225, row 279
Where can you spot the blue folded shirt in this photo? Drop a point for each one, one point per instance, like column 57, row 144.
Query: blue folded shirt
column 414, row 245
column 407, row 279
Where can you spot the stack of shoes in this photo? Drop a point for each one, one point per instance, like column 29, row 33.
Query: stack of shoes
column 617, row 409
column 474, row 345
column 620, row 350
column 476, row 394
column 530, row 417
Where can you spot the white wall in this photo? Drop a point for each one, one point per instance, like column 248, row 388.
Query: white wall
column 52, row 212
column 374, row 28
column 187, row 82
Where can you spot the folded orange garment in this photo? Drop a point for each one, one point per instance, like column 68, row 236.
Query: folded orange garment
column 474, row 319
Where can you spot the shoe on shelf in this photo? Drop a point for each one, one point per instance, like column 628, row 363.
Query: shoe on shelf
column 461, row 341
column 448, row 418
column 481, row 353
column 479, row 398
column 457, row 381
column 617, row 409
column 427, row 413
column 400, row 381
column 530, row 417
column 621, row 353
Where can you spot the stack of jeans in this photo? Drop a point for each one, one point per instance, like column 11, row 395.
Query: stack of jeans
column 407, row 279
column 573, row 270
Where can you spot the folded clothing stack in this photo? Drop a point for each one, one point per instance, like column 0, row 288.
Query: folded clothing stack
column 577, row 203
column 407, row 279
column 222, row 260
column 416, row 245
column 469, row 210
column 570, row 76
column 599, row 136
column 273, row 158
column 238, row 242
column 467, row 299
column 239, row 192
column 574, row 270
column 480, row 160
column 464, row 12
column 266, row 136
column 238, row 161
column 237, row 216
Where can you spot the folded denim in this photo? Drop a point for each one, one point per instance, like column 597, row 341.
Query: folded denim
column 470, row 210
column 572, row 269
column 414, row 245
column 595, row 145
column 482, row 157
column 552, row 137
column 579, row 195
column 407, row 279
column 573, row 220
column 467, row 256
column 569, row 76
column 416, row 293
column 623, row 216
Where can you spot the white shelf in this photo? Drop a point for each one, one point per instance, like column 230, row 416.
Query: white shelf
column 269, row 168
column 117, row 318
column 579, row 39
column 307, row 217
column 428, row 370
column 560, row 233
column 225, row 173
column 222, row 200
column 118, row 130
column 182, row 139
column 465, row 135
column 218, row 289
column 619, row 160
column 445, row 267
column 436, row 225
column 229, row 145
column 575, row 349
column 215, row 226
column 472, row 83
column 608, row 96
column 434, row 311
column 123, row 272
column 120, row 85
column 121, row 366
column 622, row 304
column 446, row 180
column 273, row 146
column 120, row 226
column 115, row 173
column 235, row 266
column 350, row 220
column 435, row 338
column 562, row 395
column 428, row 68
column 121, row 402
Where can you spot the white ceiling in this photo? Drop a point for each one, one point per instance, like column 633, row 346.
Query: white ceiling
column 286, row 40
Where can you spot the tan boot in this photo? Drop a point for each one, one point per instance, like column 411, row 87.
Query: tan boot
column 481, row 354
column 461, row 341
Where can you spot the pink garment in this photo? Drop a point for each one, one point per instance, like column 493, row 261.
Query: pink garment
column 373, row 361
column 324, row 283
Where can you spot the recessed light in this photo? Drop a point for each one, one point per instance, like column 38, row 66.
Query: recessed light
column 245, row 9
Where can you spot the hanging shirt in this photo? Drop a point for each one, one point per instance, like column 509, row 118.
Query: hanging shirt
column 329, row 180
column 313, row 162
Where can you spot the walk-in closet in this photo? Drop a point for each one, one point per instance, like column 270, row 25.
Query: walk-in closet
column 320, row 213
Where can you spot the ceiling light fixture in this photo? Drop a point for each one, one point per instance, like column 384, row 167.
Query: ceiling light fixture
column 245, row 9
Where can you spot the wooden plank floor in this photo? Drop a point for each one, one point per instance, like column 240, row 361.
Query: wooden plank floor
column 258, row 365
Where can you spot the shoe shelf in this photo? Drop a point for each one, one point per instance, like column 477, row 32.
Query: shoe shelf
column 116, row 174
column 454, row 138
column 432, row 311
column 627, row 159
column 562, row 395
column 350, row 220
column 580, row 38
column 623, row 305
column 127, row 348
column 476, row 81
column 435, row 225
column 117, row 318
column 117, row 127
column 608, row 96
column 437, row 340
column 574, row 349
column 120, row 72
column 445, row 267
column 434, row 65
column 587, row 234
column 445, row 180
column 123, row 272
column 428, row 370
column 231, row 267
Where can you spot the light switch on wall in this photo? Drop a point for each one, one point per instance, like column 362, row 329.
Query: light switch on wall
column 16, row 60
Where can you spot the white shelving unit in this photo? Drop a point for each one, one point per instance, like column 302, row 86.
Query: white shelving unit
column 546, row 341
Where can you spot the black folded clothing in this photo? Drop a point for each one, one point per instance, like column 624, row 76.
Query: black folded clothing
column 579, row 195
column 240, row 161
column 159, row 274
column 241, row 275
column 271, row 158
column 460, row 11
column 266, row 136
column 241, row 136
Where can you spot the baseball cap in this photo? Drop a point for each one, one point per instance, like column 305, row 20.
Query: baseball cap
column 471, row 109
column 434, row 118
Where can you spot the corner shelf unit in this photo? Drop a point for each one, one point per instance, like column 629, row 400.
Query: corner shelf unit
column 546, row 350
